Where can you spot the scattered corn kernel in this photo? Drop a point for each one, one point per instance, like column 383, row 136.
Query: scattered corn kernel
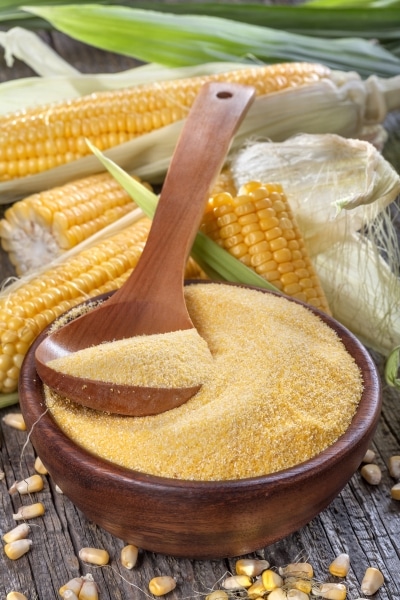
column 332, row 591
column 59, row 490
column 19, row 532
column 395, row 492
column 2, row 475
column 70, row 595
column 371, row 473
column 31, row 484
column 94, row 556
column 340, row 566
column 256, row 590
column 39, row 466
column 217, row 595
column 271, row 580
column 369, row 456
column 73, row 585
column 298, row 569
column 18, row 548
column 88, row 590
column 237, row 582
column 16, row 596
column 162, row 585
column 277, row 594
column 372, row 581
column 294, row 594
column 304, row 585
column 30, row 511
column 394, row 466
column 251, row 567
column 129, row 555
column 15, row 420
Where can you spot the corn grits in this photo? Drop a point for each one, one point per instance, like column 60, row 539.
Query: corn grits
column 283, row 389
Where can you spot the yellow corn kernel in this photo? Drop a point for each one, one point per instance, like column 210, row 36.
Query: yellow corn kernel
column 88, row 590
column 372, row 581
column 332, row 591
column 295, row 594
column 29, row 511
column 70, row 595
column 256, row 590
column 251, row 567
column 371, row 473
column 237, row 582
column 38, row 228
column 394, row 466
column 395, row 491
column 39, row 466
column 18, row 548
column 74, row 585
column 257, row 227
column 15, row 420
column 271, row 580
column 369, row 456
column 304, row 585
column 94, row 556
column 340, row 566
column 129, row 556
column 43, row 137
column 277, row 594
column 298, row 569
column 31, row 484
column 162, row 585
column 217, row 595
column 19, row 532
column 16, row 596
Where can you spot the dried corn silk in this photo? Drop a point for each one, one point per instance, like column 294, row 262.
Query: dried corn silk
column 282, row 390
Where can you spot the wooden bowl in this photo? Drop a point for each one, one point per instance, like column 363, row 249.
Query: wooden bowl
column 202, row 520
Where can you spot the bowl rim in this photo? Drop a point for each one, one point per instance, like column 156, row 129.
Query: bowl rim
column 363, row 423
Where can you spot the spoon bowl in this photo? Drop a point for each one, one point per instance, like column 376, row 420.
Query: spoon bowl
column 152, row 299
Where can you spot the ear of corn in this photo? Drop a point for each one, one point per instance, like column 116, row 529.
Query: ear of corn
column 257, row 227
column 40, row 227
column 327, row 101
column 42, row 138
column 25, row 312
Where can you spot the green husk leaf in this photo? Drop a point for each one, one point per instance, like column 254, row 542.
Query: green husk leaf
column 392, row 368
column 8, row 399
column 216, row 262
column 347, row 20
column 178, row 40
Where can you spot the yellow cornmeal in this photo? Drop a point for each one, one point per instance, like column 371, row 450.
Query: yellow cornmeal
column 174, row 359
column 283, row 389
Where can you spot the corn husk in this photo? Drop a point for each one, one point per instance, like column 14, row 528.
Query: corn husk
column 335, row 185
column 340, row 191
column 179, row 40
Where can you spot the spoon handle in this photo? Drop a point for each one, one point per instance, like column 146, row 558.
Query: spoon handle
column 198, row 158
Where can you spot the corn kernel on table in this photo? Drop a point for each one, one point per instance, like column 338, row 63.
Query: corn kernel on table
column 363, row 521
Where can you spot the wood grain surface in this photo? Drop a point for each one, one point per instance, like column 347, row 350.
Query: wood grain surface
column 363, row 520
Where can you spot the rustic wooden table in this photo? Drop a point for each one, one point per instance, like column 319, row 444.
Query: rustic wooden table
column 363, row 520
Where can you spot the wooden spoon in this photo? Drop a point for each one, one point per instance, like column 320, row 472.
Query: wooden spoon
column 152, row 300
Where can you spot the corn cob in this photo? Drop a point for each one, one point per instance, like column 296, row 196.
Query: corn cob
column 25, row 312
column 40, row 227
column 38, row 139
column 257, row 227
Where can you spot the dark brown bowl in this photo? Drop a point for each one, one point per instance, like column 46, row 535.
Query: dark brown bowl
column 202, row 520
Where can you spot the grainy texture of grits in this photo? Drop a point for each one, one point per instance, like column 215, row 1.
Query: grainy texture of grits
column 170, row 360
column 282, row 390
